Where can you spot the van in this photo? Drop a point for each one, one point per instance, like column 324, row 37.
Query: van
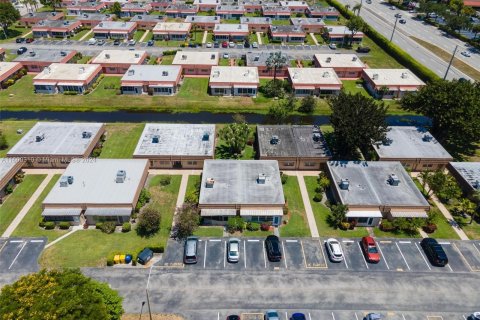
column 92, row 41
column 190, row 252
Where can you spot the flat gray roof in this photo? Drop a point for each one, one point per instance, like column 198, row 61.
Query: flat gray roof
column 95, row 182
column 203, row 19
column 95, row 16
column 43, row 15
column 469, row 171
column 259, row 59
column 368, row 184
column 43, row 55
column 145, row 72
column 59, row 138
column 287, row 28
column 293, row 141
column 148, row 17
column 55, row 23
column 236, row 182
column 253, row 20
column 176, row 139
column 7, row 164
column 410, row 143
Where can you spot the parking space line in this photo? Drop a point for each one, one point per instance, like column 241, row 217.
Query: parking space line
column 443, row 243
column 323, row 252
column 347, row 241
column 264, row 257
column 15, row 241
column 333, row 316
column 286, row 315
column 245, row 254
column 303, row 253
column 463, row 257
column 24, row 244
column 4, row 244
column 404, row 241
column 465, row 318
column 476, row 248
column 218, row 316
column 205, row 256
column 383, row 256
column 253, row 240
column 291, row 240
column 403, row 317
column 344, row 256
column 215, row 240
column 225, row 255
column 416, row 245
column 363, row 256
column 401, row 253
column 309, row 316
column 450, row 267
column 356, row 317
column 36, row 241
column 284, row 256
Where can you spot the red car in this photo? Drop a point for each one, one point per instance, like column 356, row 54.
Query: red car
column 224, row 44
column 29, row 40
column 370, row 250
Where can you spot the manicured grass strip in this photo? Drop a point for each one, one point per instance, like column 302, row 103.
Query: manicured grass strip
column 393, row 234
column 193, row 181
column 297, row 225
column 29, row 225
column 70, row 252
column 122, row 138
column 353, row 87
column 321, row 212
column 209, row 232
column 167, row 60
column 15, row 201
column 444, row 229
column 138, row 35
column 377, row 58
column 80, row 34
column 9, row 129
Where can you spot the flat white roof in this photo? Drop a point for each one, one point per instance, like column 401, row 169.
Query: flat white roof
column 117, row 25
column 7, row 164
column 342, row 60
column 387, row 77
column 234, row 27
column 7, row 66
column 173, row 26
column 95, row 182
column 195, row 57
column 313, row 76
column 152, row 73
column 469, row 171
column 59, row 138
column 212, row 2
column 120, row 56
column 203, row 19
column 67, row 71
column 410, row 142
column 176, row 140
column 247, row 75
column 342, row 30
column 293, row 3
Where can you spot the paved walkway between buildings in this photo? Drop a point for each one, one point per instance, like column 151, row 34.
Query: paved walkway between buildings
column 308, row 206
column 43, row 171
column 259, row 37
column 313, row 38
column 204, row 39
column 74, row 229
column 86, row 35
column 27, row 206
column 181, row 194
column 144, row 36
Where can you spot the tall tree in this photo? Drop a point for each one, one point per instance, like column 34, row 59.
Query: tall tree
column 467, row 207
column 357, row 8
column 456, row 6
column 276, row 61
column 55, row 294
column 51, row 3
column 308, row 104
column 116, row 9
column 187, row 220
column 457, row 22
column 357, row 121
column 235, row 136
column 454, row 108
column 476, row 30
column 3, row 141
column 8, row 16
column 355, row 24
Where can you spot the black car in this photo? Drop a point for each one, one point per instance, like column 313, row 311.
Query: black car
column 22, row 50
column 246, row 44
column 20, row 40
column 116, row 42
column 434, row 252
column 363, row 49
column 233, row 317
column 150, row 43
column 216, row 44
column 402, row 21
column 272, row 245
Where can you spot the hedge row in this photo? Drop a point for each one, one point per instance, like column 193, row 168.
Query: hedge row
column 396, row 52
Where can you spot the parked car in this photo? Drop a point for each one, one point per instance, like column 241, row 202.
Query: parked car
column 402, row 21
column 298, row 316
column 363, row 49
column 116, row 42
column 434, row 252
column 20, row 40
column 29, row 40
column 190, row 252
column 334, row 250
column 224, row 44
column 231, row 44
column 271, row 315
column 225, row 55
column 101, row 42
column 272, row 245
column 398, row 15
column 209, row 45
column 466, row 54
column 332, row 46
column 216, row 44
column 150, row 43
column 145, row 256
column 132, row 42
column 254, row 45
column 233, row 250
column 369, row 1
column 392, row 8
column 22, row 50
column 370, row 250
column 474, row 316
column 246, row 44
column 233, row 317
column 92, row 41
column 373, row 316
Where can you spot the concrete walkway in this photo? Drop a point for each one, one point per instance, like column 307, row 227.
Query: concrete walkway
column 259, row 37
column 86, row 35
column 27, row 206
column 175, row 171
column 308, row 206
column 144, row 36
column 43, row 171
column 205, row 35
column 181, row 195
column 74, row 229
column 313, row 38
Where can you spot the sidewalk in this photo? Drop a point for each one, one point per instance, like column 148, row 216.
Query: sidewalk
column 204, row 39
column 85, row 35
column 259, row 37
column 181, row 194
column 308, row 206
column 74, row 229
column 144, row 36
column 27, row 206
column 313, row 38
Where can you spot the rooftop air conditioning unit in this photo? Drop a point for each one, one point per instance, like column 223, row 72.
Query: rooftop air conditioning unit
column 155, row 139
column 131, row 72
column 476, row 184
column 344, row 184
column 137, row 55
column 209, row 183
column 39, row 137
column 326, row 74
column 427, row 138
column 32, row 53
column 66, row 23
column 100, row 24
column 85, row 15
column 317, row 137
column 64, row 181
column 206, row 136
column 375, row 76
column 274, row 139
column 256, row 58
column 262, row 178
column 165, row 73
column 86, row 134
column 328, row 60
column 354, row 59
column 404, row 75
column 70, row 179
column 81, row 70
column 107, row 56
column 393, row 179
column 184, row 57
column 63, row 53
column 121, row 176
column 387, row 141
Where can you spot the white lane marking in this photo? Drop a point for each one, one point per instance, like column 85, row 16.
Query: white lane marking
column 448, row 265
column 215, row 240
column 464, row 317
column 303, row 253
column 205, row 256
column 347, row 241
column 401, row 253
column 403, row 316
column 284, row 256
column 344, row 256
column 218, row 316
column 416, row 245
column 363, row 256
column 253, row 240
column 4, row 244
column 290, row 240
column 244, row 254
column 463, row 257
column 17, row 255
column 404, row 241
column 36, row 241
column 472, row 243
column 323, row 252
column 356, row 317
column 444, row 243
column 333, row 316
column 264, row 257
column 286, row 315
column 15, row 241
column 225, row 255
column 383, row 256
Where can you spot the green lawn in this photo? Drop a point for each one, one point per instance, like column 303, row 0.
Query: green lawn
column 9, row 129
column 15, row 201
column 319, row 38
column 12, row 33
column 265, row 38
column 281, row 22
column 70, row 251
column 209, row 232
column 29, row 225
column 321, row 213
column 107, row 87
column 84, row 59
column 210, row 37
column 224, row 62
column 355, row 86
column 171, row 43
column 297, row 225
column 193, row 181
column 9, row 57
column 471, row 229
column 377, row 58
column 309, row 40
column 121, row 140
column 167, row 60
column 258, row 233
column 138, row 35
column 444, row 229
column 80, row 34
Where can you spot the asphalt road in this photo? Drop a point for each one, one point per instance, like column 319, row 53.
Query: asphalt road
column 379, row 16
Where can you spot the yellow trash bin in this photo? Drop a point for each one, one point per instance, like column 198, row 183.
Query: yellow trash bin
column 122, row 258
column 116, row 259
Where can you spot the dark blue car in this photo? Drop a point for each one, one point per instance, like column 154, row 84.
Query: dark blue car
column 298, row 316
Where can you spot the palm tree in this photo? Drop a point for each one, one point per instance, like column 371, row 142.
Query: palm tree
column 468, row 207
column 424, row 176
column 356, row 8
column 276, row 61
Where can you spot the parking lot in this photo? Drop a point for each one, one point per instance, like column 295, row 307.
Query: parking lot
column 309, row 254
column 20, row 255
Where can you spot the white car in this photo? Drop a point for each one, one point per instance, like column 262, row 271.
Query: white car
column 392, row 8
column 131, row 42
column 231, row 44
column 209, row 44
column 466, row 54
column 225, row 55
column 334, row 249
column 233, row 250
column 475, row 316
column 332, row 46
column 373, row 316
column 254, row 45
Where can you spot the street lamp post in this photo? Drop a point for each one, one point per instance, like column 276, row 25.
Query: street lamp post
column 360, row 8
column 450, row 63
column 394, row 27
column 141, row 310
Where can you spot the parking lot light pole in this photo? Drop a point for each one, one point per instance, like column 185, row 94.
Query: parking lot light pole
column 450, row 63
column 394, row 27
column 141, row 310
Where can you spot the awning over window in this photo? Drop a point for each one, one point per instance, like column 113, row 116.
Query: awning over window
column 246, row 86
column 214, row 86
column 261, row 212
column 218, row 212
column 303, row 87
column 406, row 213
column 60, row 212
column 74, row 84
column 39, row 83
column 132, row 84
column 364, row 214
column 108, row 212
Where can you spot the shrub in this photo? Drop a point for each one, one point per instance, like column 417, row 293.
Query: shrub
column 284, row 177
column 8, row 189
column 143, row 198
column 96, row 152
column 191, row 198
column 49, row 225
column 344, row 225
column 126, row 227
column 64, row 225
column 253, row 226
column 41, row 224
column 235, row 224
column 70, row 93
column 170, row 52
column 148, row 221
column 318, row 197
column 387, row 226
column 265, row 226
column 429, row 228
column 165, row 181
column 157, row 249
column 99, row 225
column 108, row 227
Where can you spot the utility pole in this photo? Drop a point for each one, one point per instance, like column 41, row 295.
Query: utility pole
column 450, row 63
column 360, row 8
column 148, row 304
column 394, row 27
column 141, row 310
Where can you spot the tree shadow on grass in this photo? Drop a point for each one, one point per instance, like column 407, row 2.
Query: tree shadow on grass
column 11, row 33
